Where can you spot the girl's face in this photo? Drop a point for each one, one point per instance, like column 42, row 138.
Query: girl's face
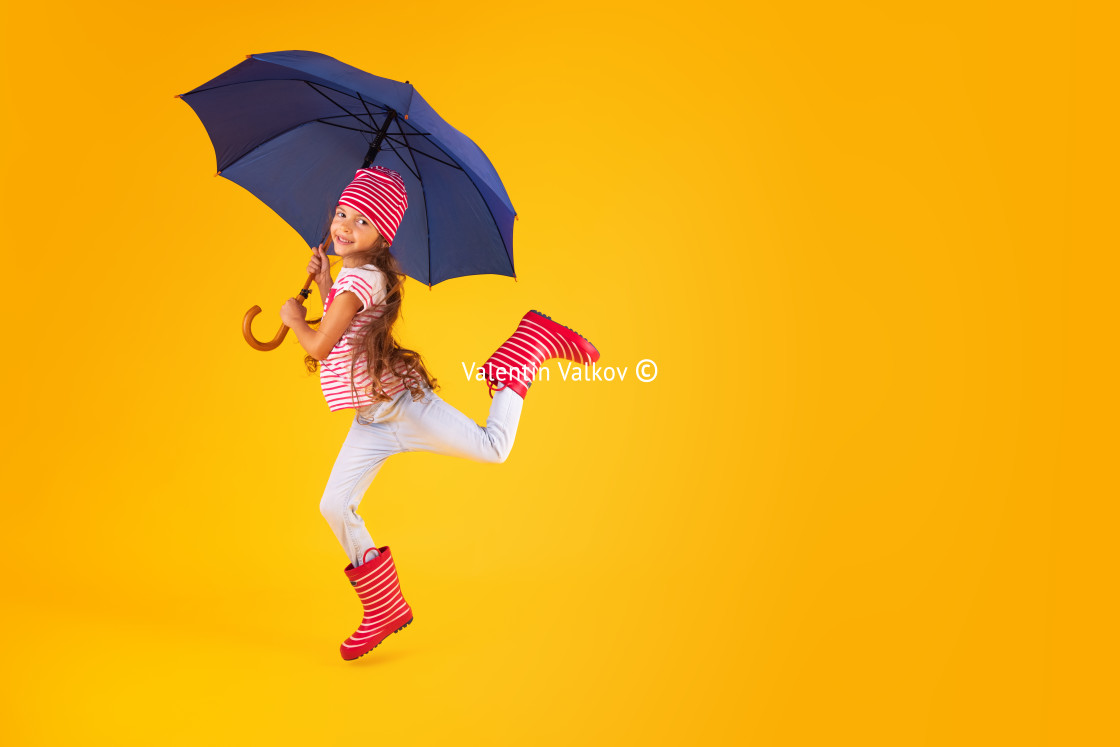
column 353, row 233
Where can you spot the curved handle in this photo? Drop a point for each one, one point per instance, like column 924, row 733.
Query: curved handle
column 247, row 331
column 247, row 322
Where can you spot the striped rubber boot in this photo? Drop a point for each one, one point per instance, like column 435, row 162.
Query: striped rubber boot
column 384, row 610
column 537, row 339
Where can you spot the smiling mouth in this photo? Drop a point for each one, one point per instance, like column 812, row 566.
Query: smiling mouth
column 341, row 240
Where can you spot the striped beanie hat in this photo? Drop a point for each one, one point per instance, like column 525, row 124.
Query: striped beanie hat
column 379, row 194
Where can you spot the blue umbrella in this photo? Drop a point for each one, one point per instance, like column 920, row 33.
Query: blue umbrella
column 293, row 127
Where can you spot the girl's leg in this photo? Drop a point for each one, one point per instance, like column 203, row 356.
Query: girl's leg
column 433, row 425
column 363, row 452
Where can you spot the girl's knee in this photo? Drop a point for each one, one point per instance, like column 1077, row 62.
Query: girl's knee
column 332, row 509
column 498, row 453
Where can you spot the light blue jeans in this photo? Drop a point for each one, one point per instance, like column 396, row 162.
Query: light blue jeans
column 386, row 428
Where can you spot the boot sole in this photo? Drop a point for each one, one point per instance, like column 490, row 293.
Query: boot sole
column 594, row 357
column 371, row 648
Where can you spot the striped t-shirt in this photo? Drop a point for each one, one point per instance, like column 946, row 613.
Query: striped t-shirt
column 368, row 284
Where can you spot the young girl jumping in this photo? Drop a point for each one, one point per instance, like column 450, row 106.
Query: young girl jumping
column 361, row 367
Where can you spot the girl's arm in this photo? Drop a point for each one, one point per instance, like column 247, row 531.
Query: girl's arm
column 320, row 267
column 320, row 342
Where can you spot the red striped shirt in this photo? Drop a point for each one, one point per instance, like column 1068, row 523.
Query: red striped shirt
column 368, row 284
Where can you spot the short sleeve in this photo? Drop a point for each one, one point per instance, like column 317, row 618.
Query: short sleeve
column 365, row 284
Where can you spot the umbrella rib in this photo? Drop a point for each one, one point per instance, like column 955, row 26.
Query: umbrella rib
column 344, row 127
column 315, row 87
column 415, row 171
column 410, row 169
column 340, row 106
column 339, row 116
column 372, row 122
column 342, row 116
column 422, row 153
column 426, row 136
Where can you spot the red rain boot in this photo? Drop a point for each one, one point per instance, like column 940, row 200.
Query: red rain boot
column 536, row 340
column 384, row 610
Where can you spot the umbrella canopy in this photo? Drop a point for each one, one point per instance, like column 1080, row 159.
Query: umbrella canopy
column 293, row 127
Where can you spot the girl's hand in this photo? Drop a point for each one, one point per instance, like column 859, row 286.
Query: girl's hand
column 292, row 312
column 320, row 264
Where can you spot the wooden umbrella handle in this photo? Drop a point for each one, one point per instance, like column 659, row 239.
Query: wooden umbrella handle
column 247, row 322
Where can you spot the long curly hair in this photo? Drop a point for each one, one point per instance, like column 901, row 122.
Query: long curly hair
column 376, row 341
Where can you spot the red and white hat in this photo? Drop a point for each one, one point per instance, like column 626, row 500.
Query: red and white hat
column 379, row 194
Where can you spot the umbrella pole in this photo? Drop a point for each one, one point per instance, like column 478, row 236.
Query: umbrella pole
column 247, row 322
column 375, row 146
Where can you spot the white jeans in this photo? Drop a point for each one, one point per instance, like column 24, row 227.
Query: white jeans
column 386, row 428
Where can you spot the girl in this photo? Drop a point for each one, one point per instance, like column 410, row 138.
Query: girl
column 361, row 367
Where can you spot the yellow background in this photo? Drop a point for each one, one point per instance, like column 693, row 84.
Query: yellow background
column 855, row 507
